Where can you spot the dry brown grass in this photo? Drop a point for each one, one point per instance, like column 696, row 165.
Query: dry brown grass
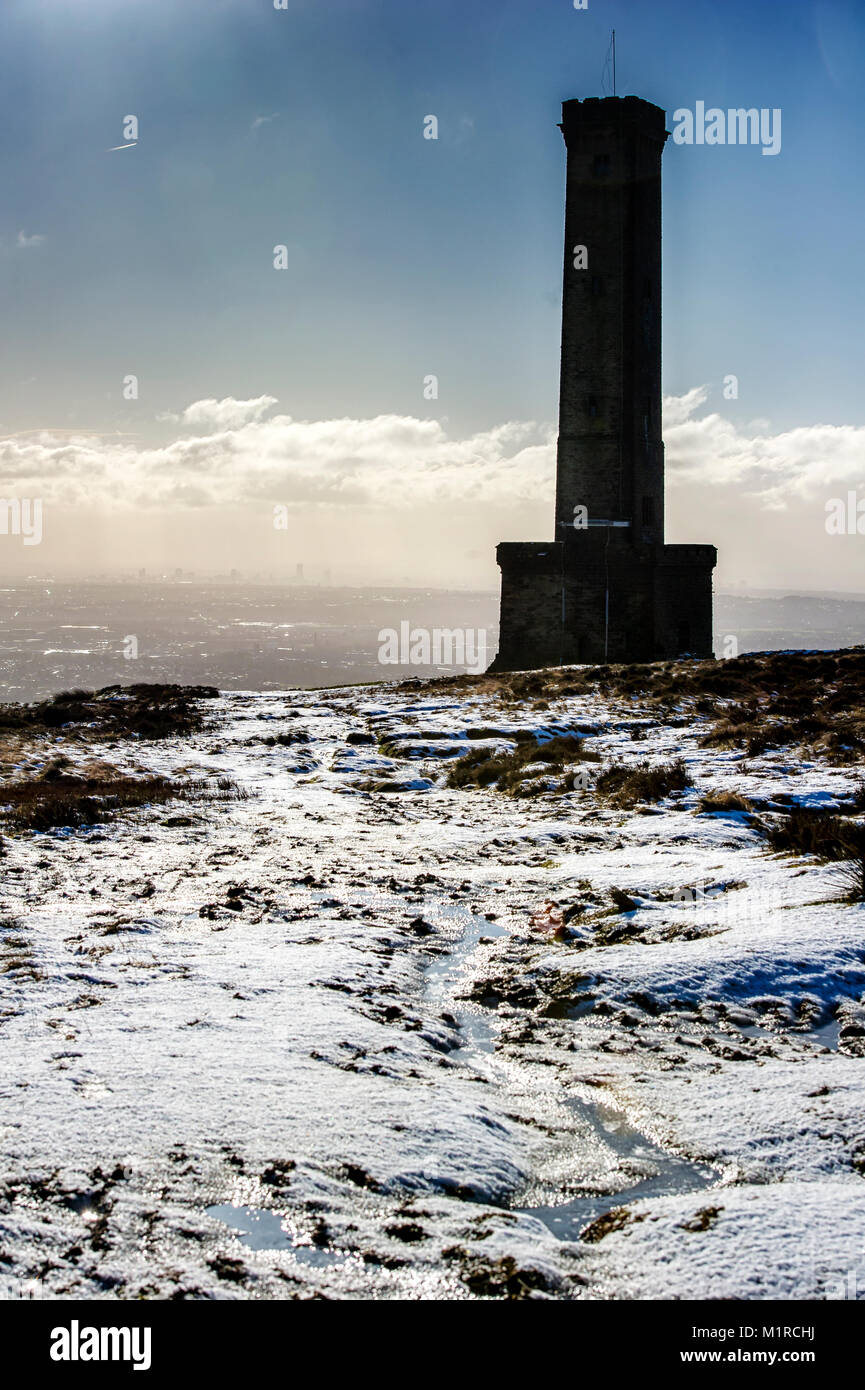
column 58, row 799
column 138, row 711
column 827, row 836
column 481, row 767
column 759, row 701
column 718, row 802
column 626, row 786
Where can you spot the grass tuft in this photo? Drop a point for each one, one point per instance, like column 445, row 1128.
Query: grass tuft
column 140, row 711
column 715, row 802
column 626, row 786
column 481, row 767
column 55, row 799
column 832, row 838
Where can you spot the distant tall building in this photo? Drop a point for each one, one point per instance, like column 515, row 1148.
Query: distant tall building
column 608, row 588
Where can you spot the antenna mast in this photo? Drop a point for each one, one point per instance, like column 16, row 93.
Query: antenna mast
column 609, row 72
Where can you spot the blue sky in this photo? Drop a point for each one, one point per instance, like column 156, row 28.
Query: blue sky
column 408, row 256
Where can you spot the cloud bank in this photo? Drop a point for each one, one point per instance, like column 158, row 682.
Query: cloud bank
column 399, row 496
column 233, row 456
column 234, row 452
column 804, row 463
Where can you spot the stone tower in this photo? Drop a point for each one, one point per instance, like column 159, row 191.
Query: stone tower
column 607, row 588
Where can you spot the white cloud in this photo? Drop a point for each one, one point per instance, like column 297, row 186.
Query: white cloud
column 680, row 408
column 237, row 458
column 263, row 120
column 25, row 241
column 401, row 500
column 234, row 453
column 227, row 414
column 776, row 469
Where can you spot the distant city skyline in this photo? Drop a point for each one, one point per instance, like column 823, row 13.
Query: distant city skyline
column 165, row 390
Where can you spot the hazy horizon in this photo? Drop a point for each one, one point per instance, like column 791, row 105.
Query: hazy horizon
column 268, row 634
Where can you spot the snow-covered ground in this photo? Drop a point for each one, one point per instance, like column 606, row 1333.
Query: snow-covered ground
column 318, row 1042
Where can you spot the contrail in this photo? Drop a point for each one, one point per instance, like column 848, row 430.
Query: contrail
column 130, row 146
